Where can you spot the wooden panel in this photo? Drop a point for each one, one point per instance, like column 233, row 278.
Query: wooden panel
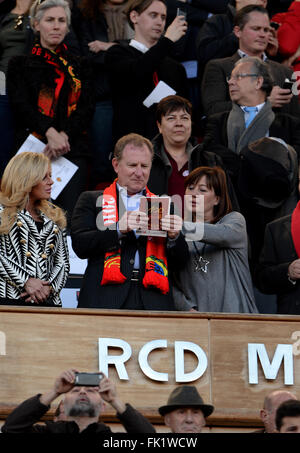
column 41, row 345
column 232, row 394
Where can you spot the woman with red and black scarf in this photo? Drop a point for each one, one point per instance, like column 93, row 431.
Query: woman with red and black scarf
column 51, row 95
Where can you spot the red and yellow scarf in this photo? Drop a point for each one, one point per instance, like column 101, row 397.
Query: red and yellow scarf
column 49, row 96
column 156, row 271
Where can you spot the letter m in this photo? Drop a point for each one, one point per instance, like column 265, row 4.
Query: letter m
column 284, row 352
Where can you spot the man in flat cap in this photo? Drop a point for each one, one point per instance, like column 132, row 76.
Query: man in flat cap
column 185, row 411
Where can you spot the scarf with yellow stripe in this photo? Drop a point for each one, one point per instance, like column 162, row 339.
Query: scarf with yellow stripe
column 156, row 271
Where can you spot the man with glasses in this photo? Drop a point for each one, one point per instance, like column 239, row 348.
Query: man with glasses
column 251, row 115
column 252, row 28
column 231, row 133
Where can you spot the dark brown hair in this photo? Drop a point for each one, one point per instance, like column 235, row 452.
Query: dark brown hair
column 171, row 104
column 242, row 16
column 216, row 180
column 139, row 6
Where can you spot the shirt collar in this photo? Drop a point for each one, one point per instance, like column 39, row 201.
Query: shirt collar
column 139, row 46
column 259, row 107
column 243, row 55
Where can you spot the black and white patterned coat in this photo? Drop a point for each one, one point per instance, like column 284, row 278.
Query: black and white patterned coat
column 25, row 252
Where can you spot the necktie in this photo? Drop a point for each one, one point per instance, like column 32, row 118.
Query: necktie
column 251, row 114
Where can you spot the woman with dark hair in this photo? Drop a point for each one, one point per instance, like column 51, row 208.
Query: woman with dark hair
column 34, row 258
column 51, row 95
column 217, row 276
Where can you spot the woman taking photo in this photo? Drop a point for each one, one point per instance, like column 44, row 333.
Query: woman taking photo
column 51, row 95
column 217, row 276
column 34, row 259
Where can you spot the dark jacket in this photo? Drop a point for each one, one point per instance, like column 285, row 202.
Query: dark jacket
column 214, row 89
column 284, row 126
column 24, row 418
column 131, row 77
column 92, row 242
column 26, row 75
column 92, row 30
column 271, row 275
column 216, row 38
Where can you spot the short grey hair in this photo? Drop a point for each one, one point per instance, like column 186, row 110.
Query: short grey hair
column 261, row 68
column 39, row 8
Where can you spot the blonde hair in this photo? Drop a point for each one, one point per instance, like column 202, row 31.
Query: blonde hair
column 22, row 173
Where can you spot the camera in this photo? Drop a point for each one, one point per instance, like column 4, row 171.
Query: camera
column 88, row 379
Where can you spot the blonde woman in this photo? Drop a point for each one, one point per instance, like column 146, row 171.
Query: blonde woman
column 34, row 259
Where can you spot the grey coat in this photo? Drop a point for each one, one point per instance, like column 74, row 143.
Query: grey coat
column 227, row 285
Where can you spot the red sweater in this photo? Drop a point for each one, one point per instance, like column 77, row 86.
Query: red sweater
column 289, row 31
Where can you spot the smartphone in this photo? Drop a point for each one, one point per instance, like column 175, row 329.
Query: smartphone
column 181, row 12
column 274, row 25
column 288, row 84
column 88, row 379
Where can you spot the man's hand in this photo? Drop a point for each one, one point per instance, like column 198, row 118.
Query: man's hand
column 108, row 393
column 280, row 96
column 133, row 220
column 97, row 46
column 294, row 270
column 36, row 290
column 63, row 384
column 177, row 29
column 172, row 224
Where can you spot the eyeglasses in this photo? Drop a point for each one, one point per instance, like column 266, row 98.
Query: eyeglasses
column 240, row 76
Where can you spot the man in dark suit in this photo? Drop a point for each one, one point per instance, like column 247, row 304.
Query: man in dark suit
column 125, row 270
column 250, row 116
column 252, row 27
column 278, row 271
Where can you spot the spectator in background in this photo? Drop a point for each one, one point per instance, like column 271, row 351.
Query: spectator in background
column 288, row 417
column 143, row 63
column 271, row 404
column 279, row 263
column 82, row 408
column 185, row 411
column 197, row 11
column 252, row 27
column 265, row 182
column 216, row 277
column 15, row 36
column 176, row 152
column 250, row 115
column 102, row 23
column 51, row 95
column 216, row 38
column 34, row 258
column 289, row 37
